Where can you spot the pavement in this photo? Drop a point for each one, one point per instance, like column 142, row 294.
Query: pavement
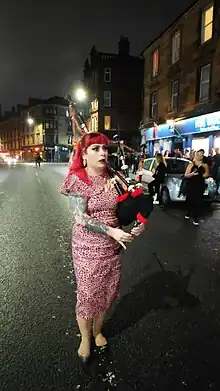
column 164, row 334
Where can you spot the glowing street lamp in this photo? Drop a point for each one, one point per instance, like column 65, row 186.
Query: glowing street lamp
column 30, row 121
column 80, row 94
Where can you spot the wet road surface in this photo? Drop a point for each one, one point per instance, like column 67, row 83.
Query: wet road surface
column 165, row 332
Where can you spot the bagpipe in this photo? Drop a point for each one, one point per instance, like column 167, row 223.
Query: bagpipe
column 133, row 205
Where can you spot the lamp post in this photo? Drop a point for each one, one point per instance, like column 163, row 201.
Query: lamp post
column 29, row 121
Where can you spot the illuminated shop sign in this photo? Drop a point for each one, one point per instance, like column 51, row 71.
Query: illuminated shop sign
column 203, row 123
column 209, row 122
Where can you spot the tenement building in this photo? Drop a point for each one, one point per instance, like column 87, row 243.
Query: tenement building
column 182, row 83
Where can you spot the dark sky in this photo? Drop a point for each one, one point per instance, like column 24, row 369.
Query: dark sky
column 44, row 43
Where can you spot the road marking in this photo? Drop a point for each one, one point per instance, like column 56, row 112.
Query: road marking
column 37, row 173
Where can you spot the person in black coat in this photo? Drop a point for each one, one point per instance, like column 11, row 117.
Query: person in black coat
column 159, row 177
column 195, row 175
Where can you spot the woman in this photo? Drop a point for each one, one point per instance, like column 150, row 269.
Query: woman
column 96, row 239
column 159, row 177
column 139, row 172
column 195, row 174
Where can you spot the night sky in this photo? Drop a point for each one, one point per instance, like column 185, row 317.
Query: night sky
column 45, row 43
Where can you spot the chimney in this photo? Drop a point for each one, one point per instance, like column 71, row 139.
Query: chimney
column 124, row 46
column 13, row 110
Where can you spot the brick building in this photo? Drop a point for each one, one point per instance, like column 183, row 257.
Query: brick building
column 115, row 86
column 41, row 126
column 182, row 82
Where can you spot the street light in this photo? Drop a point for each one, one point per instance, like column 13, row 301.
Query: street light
column 80, row 94
column 30, row 121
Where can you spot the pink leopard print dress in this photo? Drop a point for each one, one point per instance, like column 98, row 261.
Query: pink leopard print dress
column 96, row 258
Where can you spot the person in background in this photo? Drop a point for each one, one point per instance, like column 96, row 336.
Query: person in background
column 38, row 160
column 187, row 154
column 140, row 168
column 178, row 153
column 159, row 177
column 195, row 174
column 204, row 158
column 216, row 168
column 135, row 161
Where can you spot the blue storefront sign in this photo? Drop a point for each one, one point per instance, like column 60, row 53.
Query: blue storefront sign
column 184, row 130
column 203, row 123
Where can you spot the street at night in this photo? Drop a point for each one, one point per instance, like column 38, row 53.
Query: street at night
column 163, row 334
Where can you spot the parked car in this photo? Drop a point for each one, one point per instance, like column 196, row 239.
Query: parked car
column 10, row 161
column 170, row 189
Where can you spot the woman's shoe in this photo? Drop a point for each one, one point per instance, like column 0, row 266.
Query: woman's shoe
column 101, row 341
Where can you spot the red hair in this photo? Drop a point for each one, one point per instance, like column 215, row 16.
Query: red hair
column 76, row 167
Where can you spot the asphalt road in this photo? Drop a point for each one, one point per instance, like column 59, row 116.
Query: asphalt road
column 165, row 332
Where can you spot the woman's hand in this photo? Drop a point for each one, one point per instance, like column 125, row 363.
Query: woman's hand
column 136, row 231
column 194, row 173
column 191, row 174
column 121, row 236
column 108, row 184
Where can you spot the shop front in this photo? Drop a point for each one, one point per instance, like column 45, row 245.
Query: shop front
column 217, row 140
column 202, row 132
column 29, row 153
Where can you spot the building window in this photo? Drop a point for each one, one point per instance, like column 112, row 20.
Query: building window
column 176, row 47
column 174, row 95
column 155, row 62
column 107, row 122
column 107, row 75
column 107, row 98
column 204, row 82
column 207, row 24
column 153, row 110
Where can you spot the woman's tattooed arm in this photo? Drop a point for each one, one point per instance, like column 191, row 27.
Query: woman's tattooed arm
column 80, row 214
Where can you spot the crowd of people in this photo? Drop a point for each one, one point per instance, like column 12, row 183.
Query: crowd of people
column 199, row 168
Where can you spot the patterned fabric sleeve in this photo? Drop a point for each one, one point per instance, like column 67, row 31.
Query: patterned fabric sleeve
column 72, row 185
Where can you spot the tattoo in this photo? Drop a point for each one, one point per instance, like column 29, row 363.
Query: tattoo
column 79, row 205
